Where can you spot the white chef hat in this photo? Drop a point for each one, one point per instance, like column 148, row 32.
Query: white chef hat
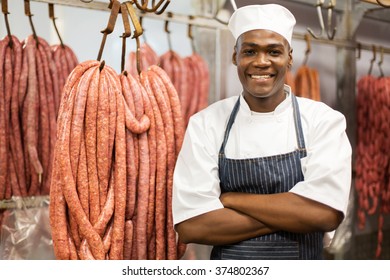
column 272, row 17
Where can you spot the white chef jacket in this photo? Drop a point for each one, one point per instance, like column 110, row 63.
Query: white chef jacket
column 326, row 168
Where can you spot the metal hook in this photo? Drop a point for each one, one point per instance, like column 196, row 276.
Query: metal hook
column 134, row 19
column 330, row 8
column 382, row 4
column 137, row 33
column 110, row 25
column 126, row 34
column 190, row 35
column 140, row 22
column 162, row 9
column 308, row 48
column 101, row 66
column 144, row 6
column 359, row 50
column 168, row 32
column 320, row 19
column 373, row 59
column 4, row 7
column 380, row 62
column 53, row 18
column 27, row 12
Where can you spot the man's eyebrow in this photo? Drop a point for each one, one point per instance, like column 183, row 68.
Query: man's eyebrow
column 277, row 45
column 273, row 45
column 249, row 44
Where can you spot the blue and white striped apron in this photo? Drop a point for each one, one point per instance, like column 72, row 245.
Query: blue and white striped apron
column 267, row 175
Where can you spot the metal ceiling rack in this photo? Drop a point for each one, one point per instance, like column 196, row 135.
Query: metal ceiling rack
column 204, row 22
column 383, row 3
column 343, row 43
column 103, row 6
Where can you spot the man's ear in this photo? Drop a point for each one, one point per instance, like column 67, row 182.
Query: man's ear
column 234, row 56
column 290, row 58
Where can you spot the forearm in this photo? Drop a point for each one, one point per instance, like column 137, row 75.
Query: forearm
column 286, row 211
column 220, row 227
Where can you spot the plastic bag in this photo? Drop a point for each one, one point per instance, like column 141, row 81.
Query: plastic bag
column 25, row 230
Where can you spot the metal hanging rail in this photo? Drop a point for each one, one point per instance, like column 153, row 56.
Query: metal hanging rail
column 383, row 3
column 103, row 6
column 205, row 22
column 94, row 5
column 343, row 43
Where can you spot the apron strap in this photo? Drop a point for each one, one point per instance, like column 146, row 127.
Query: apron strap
column 298, row 125
column 229, row 126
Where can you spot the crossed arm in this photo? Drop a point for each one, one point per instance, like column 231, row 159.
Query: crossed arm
column 249, row 215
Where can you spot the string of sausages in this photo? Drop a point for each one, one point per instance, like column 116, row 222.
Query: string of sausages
column 117, row 143
column 372, row 182
column 305, row 83
column 189, row 75
column 30, row 92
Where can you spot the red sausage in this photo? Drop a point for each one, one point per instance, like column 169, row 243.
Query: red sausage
column 161, row 168
column 116, row 251
column 57, row 51
column 22, row 88
column 102, row 143
column 152, row 164
column 158, row 88
column 16, row 143
column 128, row 240
column 205, row 82
column 3, row 132
column 90, row 144
column 178, row 118
column 142, row 197
column 43, row 120
column 31, row 107
column 58, row 215
column 11, row 183
column 107, row 239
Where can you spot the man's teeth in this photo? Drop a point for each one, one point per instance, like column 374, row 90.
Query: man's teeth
column 260, row 76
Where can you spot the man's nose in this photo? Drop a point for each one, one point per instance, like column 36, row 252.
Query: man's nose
column 262, row 60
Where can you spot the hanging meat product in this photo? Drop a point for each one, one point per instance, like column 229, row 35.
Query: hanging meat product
column 32, row 92
column 65, row 60
column 77, row 219
column 175, row 67
column 39, row 114
column 117, row 144
column 111, row 190
column 31, row 87
column 12, row 170
column 190, row 76
column 307, row 83
column 372, row 152
column 199, row 85
column 64, row 57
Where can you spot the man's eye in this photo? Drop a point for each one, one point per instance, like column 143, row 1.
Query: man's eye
column 275, row 52
column 248, row 52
